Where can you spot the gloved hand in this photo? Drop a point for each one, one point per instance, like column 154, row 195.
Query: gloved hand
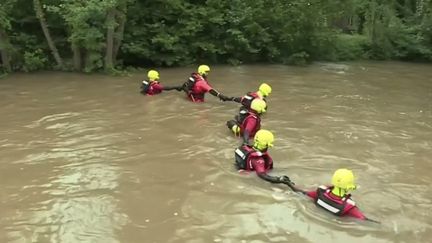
column 285, row 179
column 223, row 97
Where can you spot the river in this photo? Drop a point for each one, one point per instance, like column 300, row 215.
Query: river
column 86, row 158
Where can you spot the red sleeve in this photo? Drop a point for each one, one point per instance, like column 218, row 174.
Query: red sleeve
column 251, row 123
column 312, row 194
column 356, row 213
column 259, row 165
column 158, row 87
column 270, row 162
column 203, row 86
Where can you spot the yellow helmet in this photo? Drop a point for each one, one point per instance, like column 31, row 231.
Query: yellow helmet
column 263, row 139
column 344, row 179
column 258, row 105
column 203, row 69
column 153, row 75
column 265, row 89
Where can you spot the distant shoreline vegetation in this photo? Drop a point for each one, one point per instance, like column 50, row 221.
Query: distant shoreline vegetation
column 111, row 35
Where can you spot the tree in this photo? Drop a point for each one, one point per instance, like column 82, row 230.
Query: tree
column 115, row 24
column 5, row 26
column 44, row 26
column 110, row 23
column 4, row 46
column 95, row 35
column 121, row 16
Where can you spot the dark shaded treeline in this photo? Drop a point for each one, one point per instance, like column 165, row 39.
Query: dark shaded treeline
column 94, row 35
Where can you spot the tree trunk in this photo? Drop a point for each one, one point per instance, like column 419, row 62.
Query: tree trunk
column 4, row 43
column 119, row 35
column 419, row 7
column 76, row 57
column 110, row 22
column 118, row 38
column 44, row 25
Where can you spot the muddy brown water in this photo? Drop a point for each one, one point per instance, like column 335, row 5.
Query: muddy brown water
column 86, row 158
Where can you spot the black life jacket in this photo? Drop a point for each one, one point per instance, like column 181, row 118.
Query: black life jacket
column 246, row 100
column 189, row 87
column 241, row 119
column 243, row 113
column 145, row 86
column 245, row 152
column 332, row 206
column 190, row 83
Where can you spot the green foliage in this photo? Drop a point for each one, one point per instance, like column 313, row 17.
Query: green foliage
column 394, row 37
column 300, row 58
column 33, row 61
column 350, row 47
column 183, row 32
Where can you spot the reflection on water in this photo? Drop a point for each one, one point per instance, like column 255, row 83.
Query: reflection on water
column 81, row 165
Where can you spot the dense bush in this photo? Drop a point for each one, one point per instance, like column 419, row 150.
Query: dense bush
column 350, row 47
column 34, row 61
column 95, row 35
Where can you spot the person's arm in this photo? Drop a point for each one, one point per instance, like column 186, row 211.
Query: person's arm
column 245, row 137
column 269, row 178
column 237, row 99
column 312, row 194
column 356, row 213
column 251, row 123
column 291, row 185
column 205, row 87
column 219, row 95
column 156, row 87
column 214, row 92
column 259, row 166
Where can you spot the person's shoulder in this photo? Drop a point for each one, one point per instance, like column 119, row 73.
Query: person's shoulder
column 312, row 194
column 351, row 202
column 252, row 115
column 257, row 154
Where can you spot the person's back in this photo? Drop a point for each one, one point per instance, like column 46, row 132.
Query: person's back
column 152, row 86
column 256, row 158
column 249, row 159
column 248, row 122
column 197, row 86
column 251, row 124
column 337, row 205
column 336, row 198
column 263, row 92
